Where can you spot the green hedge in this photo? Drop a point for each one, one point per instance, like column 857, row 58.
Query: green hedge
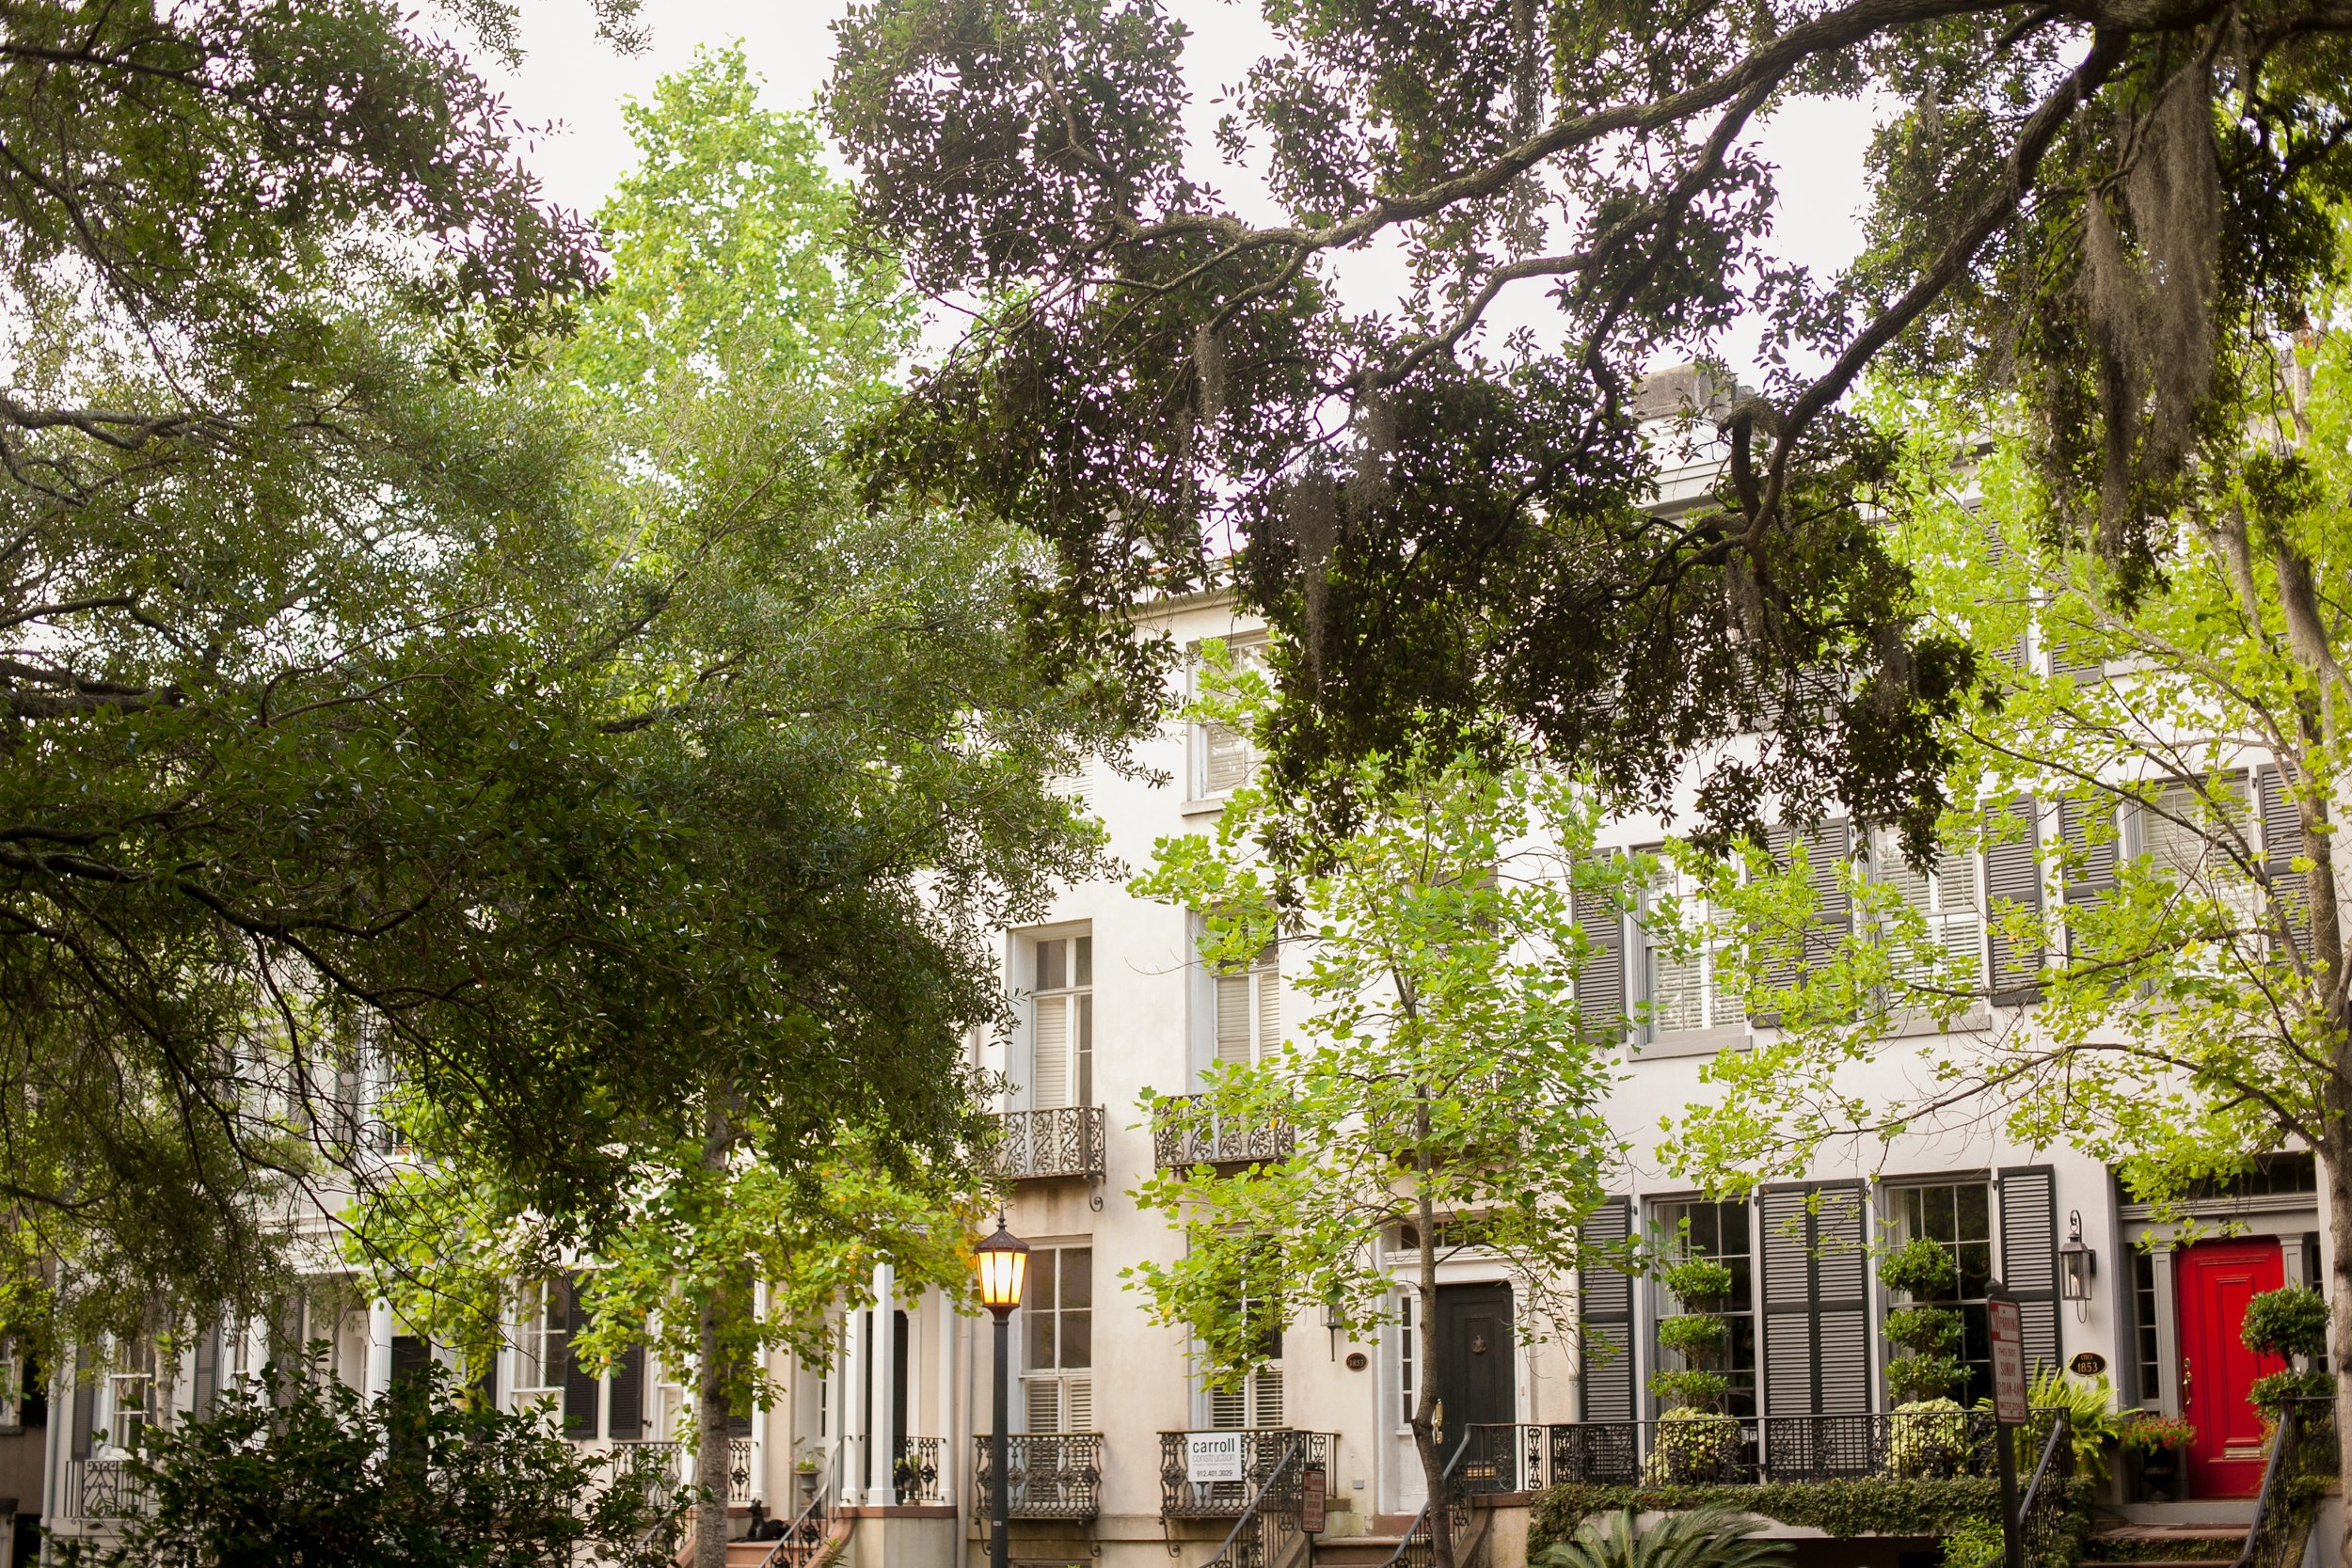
column 1865, row 1507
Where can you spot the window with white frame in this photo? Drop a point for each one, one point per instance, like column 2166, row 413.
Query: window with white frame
column 2191, row 835
column 1255, row 1401
column 1681, row 979
column 1057, row 1376
column 131, row 1397
column 1946, row 900
column 1223, row 757
column 1958, row 1217
column 543, row 1323
column 1408, row 1354
column 1250, row 1009
column 1061, row 1023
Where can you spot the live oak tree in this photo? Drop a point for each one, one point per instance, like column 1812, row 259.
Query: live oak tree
column 851, row 759
column 2163, row 807
column 2092, row 204
column 1442, row 1093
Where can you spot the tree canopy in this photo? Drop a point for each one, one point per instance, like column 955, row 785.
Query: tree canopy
column 2090, row 205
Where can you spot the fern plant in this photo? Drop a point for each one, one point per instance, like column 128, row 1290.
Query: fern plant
column 1711, row 1537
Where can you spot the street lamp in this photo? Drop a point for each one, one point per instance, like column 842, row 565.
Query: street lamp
column 1002, row 1263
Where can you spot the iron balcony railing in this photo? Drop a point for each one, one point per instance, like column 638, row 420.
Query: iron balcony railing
column 1182, row 1137
column 105, row 1489
column 1064, row 1142
column 1262, row 1447
column 1051, row 1474
column 1726, row 1450
column 915, row 1470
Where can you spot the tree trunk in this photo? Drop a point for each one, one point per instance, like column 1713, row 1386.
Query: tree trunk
column 712, row 1406
column 1424, row 1420
column 2335, row 1164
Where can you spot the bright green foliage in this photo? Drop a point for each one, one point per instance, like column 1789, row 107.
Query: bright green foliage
column 297, row 1467
column 1710, row 1537
column 848, row 750
column 2287, row 1321
column 2091, row 1420
column 1924, row 1334
column 1440, row 1078
column 1699, row 1286
column 2273, row 1391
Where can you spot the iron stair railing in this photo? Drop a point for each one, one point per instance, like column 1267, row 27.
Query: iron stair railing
column 1419, row 1546
column 1271, row 1519
column 2275, row 1539
column 2041, row 1514
column 803, row 1539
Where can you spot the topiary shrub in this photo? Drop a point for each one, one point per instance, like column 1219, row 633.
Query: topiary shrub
column 1692, row 1447
column 1700, row 1337
column 1924, row 1370
column 2286, row 1323
column 1928, row 1437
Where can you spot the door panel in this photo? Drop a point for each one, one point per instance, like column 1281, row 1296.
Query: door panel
column 1476, row 1384
column 2216, row 1279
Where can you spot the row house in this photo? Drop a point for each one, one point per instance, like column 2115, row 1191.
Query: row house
column 883, row 1455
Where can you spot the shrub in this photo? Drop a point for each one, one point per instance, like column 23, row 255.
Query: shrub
column 1693, row 1444
column 1977, row 1544
column 2274, row 1391
column 1920, row 1269
column 1924, row 1334
column 1713, row 1537
column 1928, row 1437
column 298, row 1469
column 2291, row 1321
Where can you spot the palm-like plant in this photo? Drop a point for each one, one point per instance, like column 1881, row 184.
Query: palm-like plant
column 1713, row 1537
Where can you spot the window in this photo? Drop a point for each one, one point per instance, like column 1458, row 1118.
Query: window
column 1061, row 1025
column 1683, row 987
column 1224, row 759
column 130, row 1396
column 541, row 1332
column 1407, row 1355
column 1698, row 1229
column 14, row 1374
column 2149, row 1385
column 1057, row 1384
column 1958, row 1216
column 1945, row 900
column 1257, row 1400
column 2192, row 835
column 1249, row 1010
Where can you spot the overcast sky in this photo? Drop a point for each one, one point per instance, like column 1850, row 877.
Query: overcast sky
column 578, row 84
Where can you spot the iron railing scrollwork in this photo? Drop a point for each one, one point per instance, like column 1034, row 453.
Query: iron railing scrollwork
column 914, row 1471
column 1067, row 1141
column 1183, row 1137
column 1262, row 1447
column 1418, row 1547
column 804, row 1539
column 2044, row 1516
column 1051, row 1474
column 106, row 1489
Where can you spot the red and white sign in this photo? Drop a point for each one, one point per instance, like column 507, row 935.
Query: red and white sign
column 2009, row 1362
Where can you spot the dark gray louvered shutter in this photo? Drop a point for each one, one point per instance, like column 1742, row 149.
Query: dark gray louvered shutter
column 2030, row 1258
column 1600, row 984
column 2013, row 877
column 1817, row 1315
column 2013, row 652
column 2073, row 651
column 1605, row 1319
column 2092, row 838
column 627, row 1414
column 2282, row 840
column 580, row 1383
column 207, row 1372
column 1827, row 846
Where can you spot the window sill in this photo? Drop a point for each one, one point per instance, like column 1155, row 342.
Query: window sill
column 1203, row 808
column 1698, row 1042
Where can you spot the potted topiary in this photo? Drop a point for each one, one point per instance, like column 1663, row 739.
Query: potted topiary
column 2291, row 1324
column 1696, row 1441
column 1929, row 1434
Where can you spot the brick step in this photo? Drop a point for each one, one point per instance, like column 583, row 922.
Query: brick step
column 1355, row 1551
column 2164, row 1545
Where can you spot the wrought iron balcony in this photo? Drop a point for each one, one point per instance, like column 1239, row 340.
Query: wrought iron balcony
column 1064, row 1142
column 1182, row 1138
column 105, row 1489
column 1181, row 1498
column 1051, row 1474
column 914, row 1471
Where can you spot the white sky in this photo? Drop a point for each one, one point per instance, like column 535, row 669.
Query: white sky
column 571, row 79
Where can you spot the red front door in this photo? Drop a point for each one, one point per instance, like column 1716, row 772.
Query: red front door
column 2216, row 1280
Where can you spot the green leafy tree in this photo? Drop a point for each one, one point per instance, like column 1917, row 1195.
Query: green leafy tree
column 2178, row 779
column 295, row 1466
column 1441, row 1090
column 852, row 755
column 2095, row 208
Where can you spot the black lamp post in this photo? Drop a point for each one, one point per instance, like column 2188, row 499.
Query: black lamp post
column 1002, row 1263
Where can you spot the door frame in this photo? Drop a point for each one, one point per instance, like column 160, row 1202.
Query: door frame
column 2265, row 1255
